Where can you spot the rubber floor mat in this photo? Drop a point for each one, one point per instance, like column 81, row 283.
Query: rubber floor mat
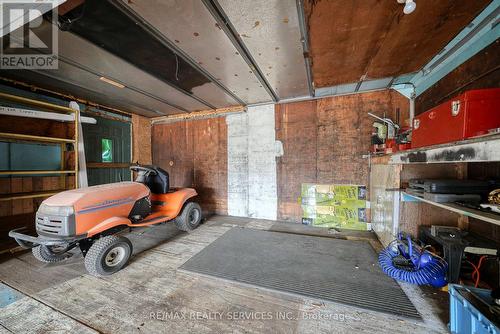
column 342, row 271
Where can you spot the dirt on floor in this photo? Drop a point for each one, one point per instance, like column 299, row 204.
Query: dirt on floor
column 151, row 296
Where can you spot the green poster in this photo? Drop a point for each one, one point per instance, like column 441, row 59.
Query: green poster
column 340, row 206
column 107, row 150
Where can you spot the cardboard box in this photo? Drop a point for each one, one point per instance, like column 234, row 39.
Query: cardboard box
column 339, row 206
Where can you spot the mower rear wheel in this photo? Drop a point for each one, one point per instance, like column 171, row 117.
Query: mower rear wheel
column 190, row 217
column 108, row 255
column 49, row 255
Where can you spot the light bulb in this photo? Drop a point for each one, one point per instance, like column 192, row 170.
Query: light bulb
column 409, row 7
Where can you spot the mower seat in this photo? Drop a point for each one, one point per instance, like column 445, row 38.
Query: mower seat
column 159, row 182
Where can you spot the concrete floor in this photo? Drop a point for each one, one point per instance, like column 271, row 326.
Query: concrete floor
column 151, row 296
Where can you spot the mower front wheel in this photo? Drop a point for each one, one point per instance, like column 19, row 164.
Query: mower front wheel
column 48, row 254
column 108, row 255
column 189, row 218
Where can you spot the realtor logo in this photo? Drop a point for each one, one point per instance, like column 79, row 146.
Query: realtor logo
column 28, row 37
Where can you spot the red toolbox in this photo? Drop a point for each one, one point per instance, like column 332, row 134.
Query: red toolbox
column 468, row 115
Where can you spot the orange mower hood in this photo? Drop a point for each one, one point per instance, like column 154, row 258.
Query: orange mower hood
column 95, row 197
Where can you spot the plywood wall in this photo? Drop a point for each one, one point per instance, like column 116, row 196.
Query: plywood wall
column 324, row 142
column 36, row 127
column 484, row 171
column 194, row 153
column 141, row 136
column 355, row 39
column 481, row 71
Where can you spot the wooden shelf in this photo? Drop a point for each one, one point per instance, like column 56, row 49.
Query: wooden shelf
column 35, row 172
column 468, row 212
column 109, row 164
column 8, row 197
column 42, row 139
column 480, row 149
column 36, row 103
column 35, row 138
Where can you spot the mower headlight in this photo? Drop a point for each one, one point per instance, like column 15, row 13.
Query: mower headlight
column 56, row 210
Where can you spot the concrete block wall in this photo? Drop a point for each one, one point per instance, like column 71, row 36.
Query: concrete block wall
column 262, row 187
column 237, row 164
column 252, row 188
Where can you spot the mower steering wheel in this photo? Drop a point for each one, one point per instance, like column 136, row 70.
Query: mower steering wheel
column 147, row 170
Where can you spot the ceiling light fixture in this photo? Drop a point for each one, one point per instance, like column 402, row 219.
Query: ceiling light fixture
column 410, row 7
column 111, row 82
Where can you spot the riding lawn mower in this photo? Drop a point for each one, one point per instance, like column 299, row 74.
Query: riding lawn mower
column 90, row 218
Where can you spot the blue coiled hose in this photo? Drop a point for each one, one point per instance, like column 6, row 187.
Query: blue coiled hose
column 426, row 269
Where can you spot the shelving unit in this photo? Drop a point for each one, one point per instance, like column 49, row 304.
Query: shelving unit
column 39, row 194
column 21, row 137
column 481, row 149
column 36, row 172
column 456, row 160
column 467, row 212
column 41, row 139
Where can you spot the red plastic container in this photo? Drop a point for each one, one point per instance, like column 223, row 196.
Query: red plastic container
column 468, row 115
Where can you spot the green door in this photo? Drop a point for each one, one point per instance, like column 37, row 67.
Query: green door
column 107, row 150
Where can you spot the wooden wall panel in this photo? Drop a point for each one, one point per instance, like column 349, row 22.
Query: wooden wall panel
column 344, row 36
column 173, row 151
column 11, row 222
column 141, row 136
column 20, row 212
column 210, row 163
column 36, row 127
column 355, row 39
column 297, row 129
column 485, row 229
column 324, row 142
column 416, row 214
column 195, row 155
column 481, row 71
column 484, row 171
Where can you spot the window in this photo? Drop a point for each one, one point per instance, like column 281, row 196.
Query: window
column 107, row 150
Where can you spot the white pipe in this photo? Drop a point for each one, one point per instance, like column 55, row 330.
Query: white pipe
column 412, row 107
column 312, row 98
column 385, row 120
